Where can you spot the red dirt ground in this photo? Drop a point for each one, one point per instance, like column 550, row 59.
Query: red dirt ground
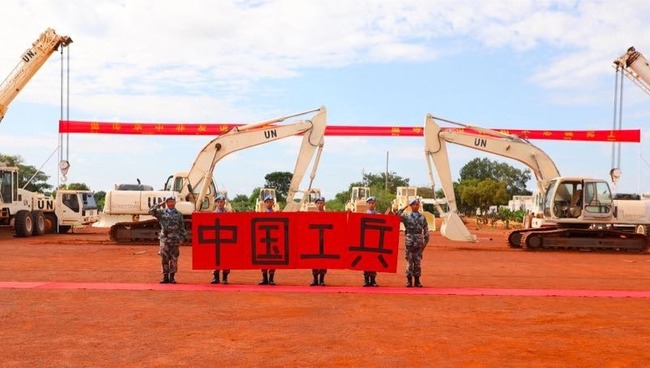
column 78, row 300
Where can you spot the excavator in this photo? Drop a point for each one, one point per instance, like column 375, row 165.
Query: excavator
column 578, row 212
column 30, row 62
column 195, row 190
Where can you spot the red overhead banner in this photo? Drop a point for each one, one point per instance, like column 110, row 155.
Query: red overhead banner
column 298, row 240
column 70, row 126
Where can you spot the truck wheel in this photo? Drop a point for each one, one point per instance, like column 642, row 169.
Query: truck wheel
column 24, row 225
column 39, row 222
column 50, row 223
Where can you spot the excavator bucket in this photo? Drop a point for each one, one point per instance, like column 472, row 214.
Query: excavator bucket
column 454, row 229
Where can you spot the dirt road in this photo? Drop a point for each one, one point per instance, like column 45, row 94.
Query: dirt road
column 78, row 300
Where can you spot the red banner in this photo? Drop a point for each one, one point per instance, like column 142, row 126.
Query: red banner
column 69, row 126
column 295, row 240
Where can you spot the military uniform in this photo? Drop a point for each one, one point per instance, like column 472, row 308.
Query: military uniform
column 268, row 275
column 319, row 273
column 417, row 237
column 172, row 234
column 370, row 277
column 215, row 273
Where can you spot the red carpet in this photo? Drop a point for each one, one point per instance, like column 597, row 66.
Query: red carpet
column 328, row 289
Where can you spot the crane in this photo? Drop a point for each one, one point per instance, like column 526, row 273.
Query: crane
column 30, row 62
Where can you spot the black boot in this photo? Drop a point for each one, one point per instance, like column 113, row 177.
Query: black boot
column 322, row 279
column 373, row 282
column 215, row 279
column 165, row 279
column 271, row 276
column 417, row 281
column 265, row 278
column 366, row 281
column 172, row 280
column 409, row 281
column 225, row 277
column 315, row 281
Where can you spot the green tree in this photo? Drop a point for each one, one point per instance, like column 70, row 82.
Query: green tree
column 280, row 180
column 74, row 186
column 38, row 181
column 482, row 194
column 242, row 203
column 379, row 181
column 484, row 168
column 100, row 198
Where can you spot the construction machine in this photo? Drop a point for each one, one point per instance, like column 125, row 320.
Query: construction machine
column 357, row 202
column 266, row 192
column 30, row 62
column 195, row 190
column 30, row 213
column 309, row 200
column 578, row 212
column 636, row 67
column 404, row 195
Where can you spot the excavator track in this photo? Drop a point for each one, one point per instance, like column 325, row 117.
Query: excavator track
column 141, row 232
column 515, row 236
column 584, row 239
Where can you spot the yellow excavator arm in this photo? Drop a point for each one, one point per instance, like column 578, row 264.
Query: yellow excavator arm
column 485, row 140
column 31, row 61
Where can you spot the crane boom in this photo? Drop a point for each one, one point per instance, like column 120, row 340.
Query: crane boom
column 635, row 66
column 30, row 62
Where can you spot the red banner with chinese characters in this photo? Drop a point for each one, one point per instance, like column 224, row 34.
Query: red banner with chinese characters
column 69, row 126
column 295, row 240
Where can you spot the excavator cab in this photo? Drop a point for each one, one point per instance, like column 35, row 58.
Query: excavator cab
column 575, row 198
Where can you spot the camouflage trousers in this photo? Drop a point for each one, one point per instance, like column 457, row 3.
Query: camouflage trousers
column 413, row 255
column 169, row 252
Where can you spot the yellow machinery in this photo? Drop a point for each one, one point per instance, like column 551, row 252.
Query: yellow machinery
column 403, row 196
column 357, row 202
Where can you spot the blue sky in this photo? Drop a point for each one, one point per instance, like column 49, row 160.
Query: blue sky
column 502, row 64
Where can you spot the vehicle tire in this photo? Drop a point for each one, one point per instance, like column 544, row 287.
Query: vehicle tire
column 24, row 224
column 50, row 223
column 39, row 222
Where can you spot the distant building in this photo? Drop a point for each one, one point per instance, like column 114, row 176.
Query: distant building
column 521, row 202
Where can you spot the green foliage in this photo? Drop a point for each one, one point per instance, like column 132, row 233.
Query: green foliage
column 74, row 186
column 39, row 181
column 242, row 203
column 100, row 198
column 476, row 193
column 484, row 168
column 379, row 181
column 280, row 180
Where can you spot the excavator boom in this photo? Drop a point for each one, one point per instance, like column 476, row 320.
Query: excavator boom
column 195, row 189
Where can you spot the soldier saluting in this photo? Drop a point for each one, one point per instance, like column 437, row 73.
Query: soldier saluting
column 417, row 237
column 172, row 234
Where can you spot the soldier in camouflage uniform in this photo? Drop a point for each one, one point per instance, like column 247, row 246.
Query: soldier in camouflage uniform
column 221, row 208
column 370, row 277
column 268, row 275
column 417, row 237
column 172, row 234
column 319, row 273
